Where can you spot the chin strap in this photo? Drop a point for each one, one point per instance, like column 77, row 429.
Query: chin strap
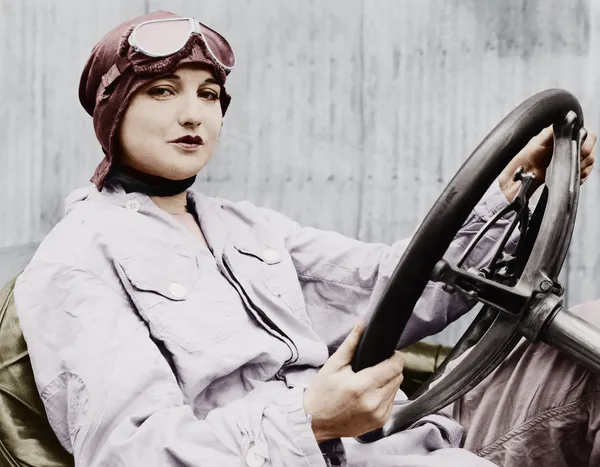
column 133, row 180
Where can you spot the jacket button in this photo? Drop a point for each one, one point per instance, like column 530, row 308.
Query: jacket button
column 177, row 290
column 271, row 256
column 253, row 458
column 133, row 205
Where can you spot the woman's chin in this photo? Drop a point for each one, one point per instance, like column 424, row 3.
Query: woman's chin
column 184, row 166
column 181, row 169
column 180, row 175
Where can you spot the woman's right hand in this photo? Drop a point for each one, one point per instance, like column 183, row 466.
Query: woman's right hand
column 343, row 403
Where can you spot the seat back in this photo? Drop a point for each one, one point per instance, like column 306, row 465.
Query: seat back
column 26, row 438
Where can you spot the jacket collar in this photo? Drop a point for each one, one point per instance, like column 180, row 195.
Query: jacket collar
column 210, row 216
column 208, row 210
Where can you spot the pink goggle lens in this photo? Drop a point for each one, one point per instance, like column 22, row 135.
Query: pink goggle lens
column 162, row 38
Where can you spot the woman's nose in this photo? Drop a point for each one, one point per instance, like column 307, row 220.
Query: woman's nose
column 191, row 112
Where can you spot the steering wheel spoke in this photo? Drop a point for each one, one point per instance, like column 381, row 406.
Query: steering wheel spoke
column 506, row 299
column 459, row 375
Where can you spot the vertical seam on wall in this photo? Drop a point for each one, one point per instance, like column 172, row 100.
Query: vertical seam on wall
column 361, row 109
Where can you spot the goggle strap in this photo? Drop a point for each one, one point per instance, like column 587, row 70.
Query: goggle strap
column 112, row 74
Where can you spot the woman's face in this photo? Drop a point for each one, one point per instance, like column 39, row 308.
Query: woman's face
column 184, row 104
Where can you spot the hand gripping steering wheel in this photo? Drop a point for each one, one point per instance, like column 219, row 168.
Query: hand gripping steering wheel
column 520, row 291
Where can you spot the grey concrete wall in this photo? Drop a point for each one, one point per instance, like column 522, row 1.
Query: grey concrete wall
column 347, row 114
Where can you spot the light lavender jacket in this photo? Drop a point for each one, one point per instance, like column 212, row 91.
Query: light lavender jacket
column 150, row 350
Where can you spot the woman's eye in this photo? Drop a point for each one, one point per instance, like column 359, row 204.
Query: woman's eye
column 209, row 94
column 160, row 92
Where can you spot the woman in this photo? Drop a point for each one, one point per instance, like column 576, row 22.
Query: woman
column 169, row 328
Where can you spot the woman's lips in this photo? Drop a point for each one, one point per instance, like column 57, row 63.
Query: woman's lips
column 187, row 146
column 188, row 142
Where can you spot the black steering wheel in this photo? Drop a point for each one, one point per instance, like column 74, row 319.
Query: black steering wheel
column 520, row 291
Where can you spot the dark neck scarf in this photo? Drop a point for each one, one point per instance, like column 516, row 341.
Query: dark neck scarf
column 132, row 180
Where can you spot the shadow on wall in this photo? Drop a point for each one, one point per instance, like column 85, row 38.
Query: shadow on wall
column 13, row 260
column 531, row 27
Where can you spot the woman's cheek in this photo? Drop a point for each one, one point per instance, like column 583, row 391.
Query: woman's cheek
column 214, row 132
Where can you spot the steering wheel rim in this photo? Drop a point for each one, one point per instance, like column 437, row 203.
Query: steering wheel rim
column 430, row 242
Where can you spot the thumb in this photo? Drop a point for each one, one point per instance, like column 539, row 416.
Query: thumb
column 545, row 138
column 343, row 355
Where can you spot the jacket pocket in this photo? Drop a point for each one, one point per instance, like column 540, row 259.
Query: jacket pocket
column 270, row 269
column 176, row 302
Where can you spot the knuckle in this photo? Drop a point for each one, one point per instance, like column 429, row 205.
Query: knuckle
column 369, row 404
column 398, row 360
column 356, row 388
column 399, row 366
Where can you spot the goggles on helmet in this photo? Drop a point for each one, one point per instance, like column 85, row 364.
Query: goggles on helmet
column 163, row 37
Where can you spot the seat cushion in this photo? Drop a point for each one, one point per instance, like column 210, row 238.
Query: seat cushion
column 26, row 438
column 420, row 361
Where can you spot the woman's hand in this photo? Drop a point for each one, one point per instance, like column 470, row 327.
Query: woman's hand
column 343, row 403
column 535, row 158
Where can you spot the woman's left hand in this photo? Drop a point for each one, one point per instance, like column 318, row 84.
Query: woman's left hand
column 535, row 158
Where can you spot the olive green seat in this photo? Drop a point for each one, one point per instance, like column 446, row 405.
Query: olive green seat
column 26, row 438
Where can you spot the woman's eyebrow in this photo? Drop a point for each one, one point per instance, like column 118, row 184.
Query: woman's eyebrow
column 208, row 80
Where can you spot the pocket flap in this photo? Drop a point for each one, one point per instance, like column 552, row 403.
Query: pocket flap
column 170, row 274
column 252, row 247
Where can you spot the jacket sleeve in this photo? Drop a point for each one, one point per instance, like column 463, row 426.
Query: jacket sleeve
column 342, row 278
column 112, row 398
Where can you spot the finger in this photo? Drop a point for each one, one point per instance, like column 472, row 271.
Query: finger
column 383, row 373
column 588, row 145
column 390, row 397
column 587, row 162
column 343, row 355
column 585, row 174
column 392, row 387
column 389, row 412
column 545, row 137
